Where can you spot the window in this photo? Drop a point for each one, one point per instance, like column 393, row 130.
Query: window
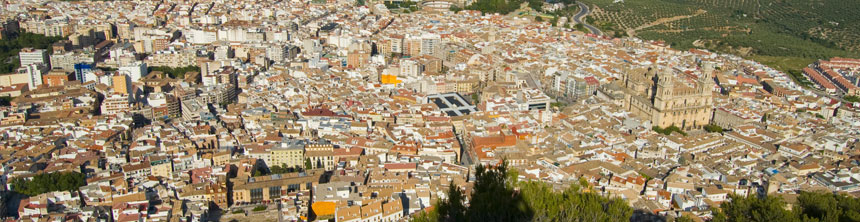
column 257, row 195
column 274, row 192
column 292, row 187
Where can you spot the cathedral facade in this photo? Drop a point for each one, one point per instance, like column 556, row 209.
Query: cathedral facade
column 660, row 96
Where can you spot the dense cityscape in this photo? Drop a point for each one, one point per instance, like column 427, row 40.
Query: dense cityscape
column 342, row 110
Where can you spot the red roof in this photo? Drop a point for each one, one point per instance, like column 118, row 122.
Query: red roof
column 494, row 141
column 322, row 112
column 348, row 151
column 818, row 78
column 591, row 80
column 401, row 166
column 747, row 80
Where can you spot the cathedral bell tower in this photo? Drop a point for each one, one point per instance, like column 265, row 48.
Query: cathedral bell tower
column 665, row 84
column 706, row 79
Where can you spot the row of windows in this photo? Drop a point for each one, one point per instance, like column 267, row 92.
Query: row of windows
column 274, row 192
column 257, row 195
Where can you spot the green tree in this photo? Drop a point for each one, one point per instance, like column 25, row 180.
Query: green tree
column 9, row 48
column 713, row 128
column 538, row 18
column 260, row 208
column 308, row 164
column 425, row 216
column 5, row 101
column 452, row 208
column 175, row 72
column 811, row 206
column 49, row 182
column 821, row 206
column 757, row 209
column 536, row 5
column 668, row 130
column 853, row 99
column 684, row 218
column 493, row 199
column 580, row 27
column 455, row 9
column 572, row 204
column 495, row 6
column 282, row 169
column 850, row 207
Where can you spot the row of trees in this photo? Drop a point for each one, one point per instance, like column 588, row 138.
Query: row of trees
column 9, row 48
column 403, row 4
column 498, row 196
column 713, row 128
column 853, row 99
column 49, row 182
column 810, row 206
column 668, row 130
column 495, row 6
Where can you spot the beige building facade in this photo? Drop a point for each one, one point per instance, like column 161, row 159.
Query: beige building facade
column 658, row 96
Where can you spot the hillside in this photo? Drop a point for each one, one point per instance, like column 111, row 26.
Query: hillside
column 787, row 34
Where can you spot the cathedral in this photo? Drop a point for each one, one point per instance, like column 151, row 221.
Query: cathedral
column 660, row 96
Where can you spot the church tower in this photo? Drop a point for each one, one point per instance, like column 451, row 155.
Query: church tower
column 665, row 88
column 706, row 79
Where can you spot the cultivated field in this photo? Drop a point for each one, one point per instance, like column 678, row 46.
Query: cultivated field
column 810, row 29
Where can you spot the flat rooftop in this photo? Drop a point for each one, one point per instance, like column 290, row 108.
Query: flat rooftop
column 452, row 104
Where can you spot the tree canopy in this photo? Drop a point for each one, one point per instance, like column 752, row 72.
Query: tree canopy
column 811, row 206
column 10, row 47
column 495, row 6
column 498, row 196
column 283, row 168
column 175, row 72
column 49, row 182
column 852, row 98
column 668, row 130
column 713, row 128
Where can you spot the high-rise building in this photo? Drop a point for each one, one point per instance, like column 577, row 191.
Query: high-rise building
column 125, row 30
column 430, row 44
column 56, row 26
column 281, row 53
column 82, row 70
column 174, row 59
column 396, row 43
column 358, row 58
column 30, row 56
column 135, row 71
column 35, row 72
column 121, row 84
column 66, row 61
